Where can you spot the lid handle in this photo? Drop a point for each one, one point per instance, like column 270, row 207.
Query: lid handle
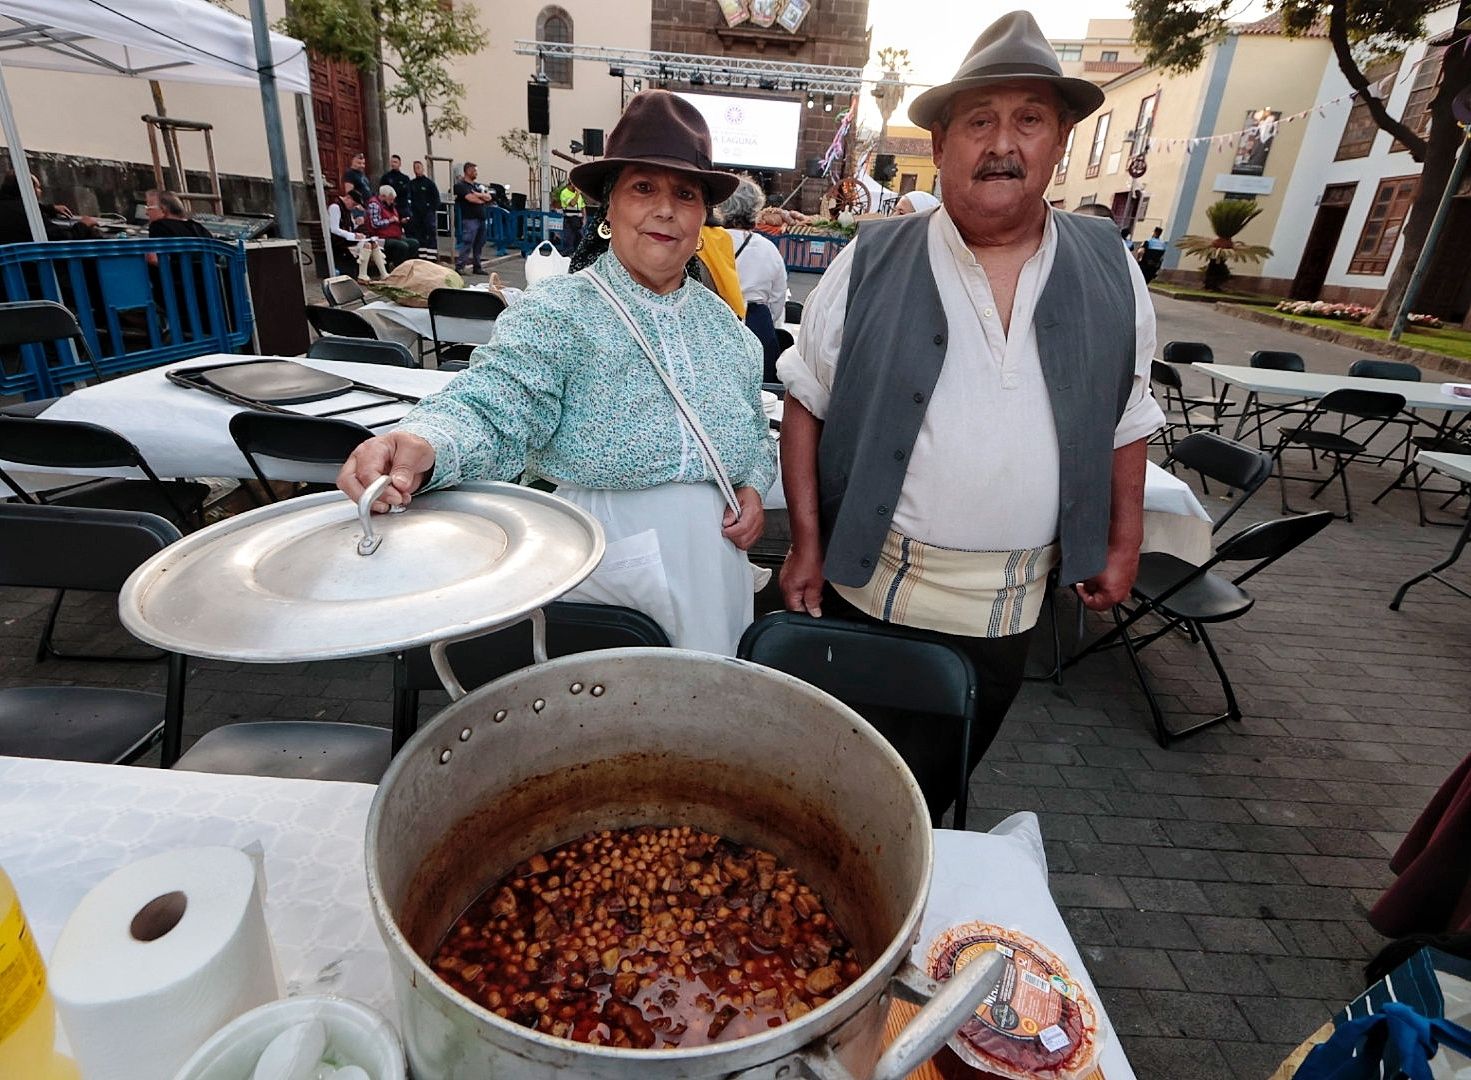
column 369, row 541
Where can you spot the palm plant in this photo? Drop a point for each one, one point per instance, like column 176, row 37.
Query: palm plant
column 1227, row 217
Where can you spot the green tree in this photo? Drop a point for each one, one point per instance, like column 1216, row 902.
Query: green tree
column 413, row 39
column 522, row 145
column 1176, row 33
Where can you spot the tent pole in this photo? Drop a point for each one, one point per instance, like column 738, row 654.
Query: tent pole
column 19, row 164
column 271, row 106
column 318, row 181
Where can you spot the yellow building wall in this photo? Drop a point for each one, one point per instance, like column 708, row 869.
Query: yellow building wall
column 921, row 165
column 1267, row 72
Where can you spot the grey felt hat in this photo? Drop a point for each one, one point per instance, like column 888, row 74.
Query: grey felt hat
column 1011, row 48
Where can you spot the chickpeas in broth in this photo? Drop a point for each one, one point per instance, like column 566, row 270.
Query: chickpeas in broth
column 650, row 937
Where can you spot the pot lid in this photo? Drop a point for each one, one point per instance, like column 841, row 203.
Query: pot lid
column 303, row 580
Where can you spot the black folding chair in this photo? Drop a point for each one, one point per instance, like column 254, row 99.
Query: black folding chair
column 1186, row 353
column 1215, row 457
column 1447, row 439
column 571, row 628
column 1252, row 409
column 294, row 749
column 42, row 323
column 362, row 351
column 1357, row 405
column 1180, row 413
column 457, row 314
column 869, row 665
column 339, row 322
column 67, row 445
column 1393, row 371
column 1192, row 596
column 343, row 291
column 67, row 547
column 312, row 439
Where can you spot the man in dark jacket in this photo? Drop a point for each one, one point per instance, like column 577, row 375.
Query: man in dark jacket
column 357, row 176
column 423, row 206
column 397, row 179
column 167, row 217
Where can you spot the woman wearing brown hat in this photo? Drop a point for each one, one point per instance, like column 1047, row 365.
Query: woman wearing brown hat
column 634, row 390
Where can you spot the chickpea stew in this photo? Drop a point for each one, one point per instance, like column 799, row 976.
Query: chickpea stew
column 648, row 938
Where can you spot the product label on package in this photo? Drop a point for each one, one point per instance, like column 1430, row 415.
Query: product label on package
column 22, row 975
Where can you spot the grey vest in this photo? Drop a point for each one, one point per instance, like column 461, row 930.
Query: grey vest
column 894, row 337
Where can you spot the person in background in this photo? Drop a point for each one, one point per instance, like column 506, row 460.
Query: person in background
column 1127, row 235
column 424, row 208
column 564, row 391
column 471, row 199
column 498, row 217
column 386, row 225
column 167, row 216
column 573, row 206
column 762, row 271
column 59, row 221
column 968, row 399
column 915, row 202
column 716, row 256
column 1151, row 254
column 357, row 176
column 1094, row 209
column 397, row 179
column 348, row 243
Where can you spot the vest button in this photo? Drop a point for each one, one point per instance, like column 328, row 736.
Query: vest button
column 865, row 562
column 939, row 339
column 898, row 455
column 883, row 511
column 919, row 399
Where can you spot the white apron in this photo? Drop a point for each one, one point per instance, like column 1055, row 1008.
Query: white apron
column 666, row 558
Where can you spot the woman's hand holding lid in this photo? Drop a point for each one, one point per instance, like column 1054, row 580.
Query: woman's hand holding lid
column 407, row 458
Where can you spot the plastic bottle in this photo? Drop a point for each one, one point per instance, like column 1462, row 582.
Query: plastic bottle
column 27, row 1016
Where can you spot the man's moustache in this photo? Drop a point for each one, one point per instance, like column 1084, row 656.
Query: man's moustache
column 1007, row 167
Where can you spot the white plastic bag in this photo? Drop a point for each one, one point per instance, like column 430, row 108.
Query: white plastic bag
column 544, row 261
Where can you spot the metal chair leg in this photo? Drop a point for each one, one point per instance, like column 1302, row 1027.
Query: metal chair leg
column 1233, row 711
column 47, row 646
column 1161, row 733
column 962, row 794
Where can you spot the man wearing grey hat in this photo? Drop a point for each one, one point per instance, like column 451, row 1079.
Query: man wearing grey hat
column 968, row 400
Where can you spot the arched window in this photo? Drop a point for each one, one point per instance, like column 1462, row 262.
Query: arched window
column 554, row 24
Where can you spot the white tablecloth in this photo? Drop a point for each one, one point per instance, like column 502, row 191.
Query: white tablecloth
column 183, row 432
column 65, row 826
column 468, row 331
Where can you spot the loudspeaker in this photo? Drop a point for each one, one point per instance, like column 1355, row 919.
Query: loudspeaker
column 538, row 108
column 592, row 142
column 518, row 200
column 884, row 168
column 814, row 167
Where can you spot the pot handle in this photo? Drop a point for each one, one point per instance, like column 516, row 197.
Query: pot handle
column 439, row 650
column 369, row 541
column 948, row 1007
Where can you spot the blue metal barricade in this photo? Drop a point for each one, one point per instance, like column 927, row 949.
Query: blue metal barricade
column 192, row 300
column 809, row 252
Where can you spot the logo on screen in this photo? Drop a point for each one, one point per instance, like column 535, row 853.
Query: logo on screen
column 734, row 115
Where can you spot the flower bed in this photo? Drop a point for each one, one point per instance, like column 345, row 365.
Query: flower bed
column 1325, row 309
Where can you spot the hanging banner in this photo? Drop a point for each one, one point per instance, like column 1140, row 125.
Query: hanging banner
column 792, row 14
column 763, row 12
column 1255, row 143
column 735, row 11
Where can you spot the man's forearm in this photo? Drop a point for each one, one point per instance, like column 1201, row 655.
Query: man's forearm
column 800, row 432
column 1126, row 509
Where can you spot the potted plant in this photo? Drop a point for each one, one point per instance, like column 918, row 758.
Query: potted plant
column 1227, row 217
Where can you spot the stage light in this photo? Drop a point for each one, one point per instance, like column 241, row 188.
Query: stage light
column 827, row 103
column 616, row 72
column 696, row 79
column 811, row 101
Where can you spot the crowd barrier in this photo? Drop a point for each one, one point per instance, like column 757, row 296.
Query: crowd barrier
column 808, row 252
column 133, row 315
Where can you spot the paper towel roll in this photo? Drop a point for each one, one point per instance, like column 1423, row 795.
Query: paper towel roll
column 158, row 957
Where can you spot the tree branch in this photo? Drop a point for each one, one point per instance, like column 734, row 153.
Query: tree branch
column 1338, row 35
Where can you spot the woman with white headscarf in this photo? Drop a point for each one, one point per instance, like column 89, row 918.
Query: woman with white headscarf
column 915, row 202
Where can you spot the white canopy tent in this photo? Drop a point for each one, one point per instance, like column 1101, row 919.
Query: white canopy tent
column 169, row 40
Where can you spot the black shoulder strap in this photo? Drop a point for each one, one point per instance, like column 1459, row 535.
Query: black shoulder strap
column 744, row 242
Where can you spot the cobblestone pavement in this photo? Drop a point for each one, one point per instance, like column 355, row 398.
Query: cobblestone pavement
column 1218, row 889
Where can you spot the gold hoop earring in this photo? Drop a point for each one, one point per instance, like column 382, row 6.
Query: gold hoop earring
column 700, row 244
column 605, row 230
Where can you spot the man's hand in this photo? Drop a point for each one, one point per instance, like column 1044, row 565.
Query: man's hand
column 801, row 580
column 747, row 530
column 407, row 458
column 1102, row 591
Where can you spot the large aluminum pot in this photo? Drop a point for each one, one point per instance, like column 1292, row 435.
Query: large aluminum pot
column 647, row 736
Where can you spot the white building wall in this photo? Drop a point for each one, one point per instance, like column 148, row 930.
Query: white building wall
column 1317, row 170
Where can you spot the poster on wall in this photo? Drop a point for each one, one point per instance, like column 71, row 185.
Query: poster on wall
column 1255, row 142
column 763, row 12
column 792, row 14
column 735, row 11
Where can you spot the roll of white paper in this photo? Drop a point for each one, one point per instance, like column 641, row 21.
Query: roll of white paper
column 159, row 956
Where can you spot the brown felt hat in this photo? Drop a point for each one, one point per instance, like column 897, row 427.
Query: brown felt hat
column 1010, row 49
column 657, row 128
